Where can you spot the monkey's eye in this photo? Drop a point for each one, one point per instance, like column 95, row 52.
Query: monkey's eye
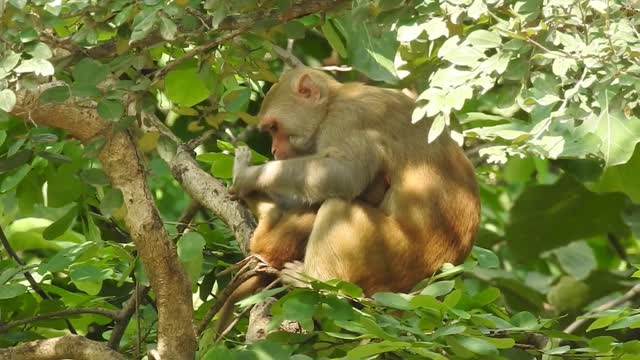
column 272, row 128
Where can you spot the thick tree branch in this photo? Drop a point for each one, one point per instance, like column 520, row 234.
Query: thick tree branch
column 120, row 161
column 65, row 347
column 213, row 195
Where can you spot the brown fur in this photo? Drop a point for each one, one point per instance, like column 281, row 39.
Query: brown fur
column 351, row 134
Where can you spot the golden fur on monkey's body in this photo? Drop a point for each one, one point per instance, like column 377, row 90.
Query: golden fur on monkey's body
column 334, row 141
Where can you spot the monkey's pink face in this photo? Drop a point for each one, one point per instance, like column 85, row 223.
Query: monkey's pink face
column 280, row 144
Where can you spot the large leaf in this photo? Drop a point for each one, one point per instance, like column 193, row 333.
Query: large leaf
column 190, row 248
column 624, row 178
column 370, row 49
column 184, row 85
column 545, row 217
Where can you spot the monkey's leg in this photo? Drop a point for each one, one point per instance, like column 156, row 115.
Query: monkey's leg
column 355, row 242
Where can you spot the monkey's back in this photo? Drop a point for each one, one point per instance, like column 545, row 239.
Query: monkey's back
column 433, row 192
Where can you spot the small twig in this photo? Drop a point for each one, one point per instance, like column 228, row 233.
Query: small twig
column 243, row 313
column 251, row 268
column 187, row 216
column 161, row 127
column 191, row 145
column 343, row 68
column 34, row 284
column 633, row 292
column 62, row 313
column 287, row 56
column 138, row 326
column 124, row 315
column 239, row 265
column 199, row 50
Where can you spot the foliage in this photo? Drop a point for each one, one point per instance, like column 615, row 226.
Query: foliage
column 545, row 95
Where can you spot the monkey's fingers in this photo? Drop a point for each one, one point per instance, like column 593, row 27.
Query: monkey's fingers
column 293, row 274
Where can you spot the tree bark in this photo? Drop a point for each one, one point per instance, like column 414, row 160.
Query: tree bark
column 121, row 162
column 66, row 347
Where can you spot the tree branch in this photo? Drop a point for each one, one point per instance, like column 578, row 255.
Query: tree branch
column 121, row 162
column 66, row 347
column 633, row 292
column 58, row 314
column 239, row 27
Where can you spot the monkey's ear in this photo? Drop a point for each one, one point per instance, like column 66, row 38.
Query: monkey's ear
column 309, row 88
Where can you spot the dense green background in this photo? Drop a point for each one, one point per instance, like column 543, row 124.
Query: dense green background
column 544, row 94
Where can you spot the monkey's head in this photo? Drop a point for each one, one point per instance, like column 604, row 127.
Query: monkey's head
column 293, row 109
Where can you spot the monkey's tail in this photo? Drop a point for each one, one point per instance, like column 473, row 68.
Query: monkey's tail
column 245, row 289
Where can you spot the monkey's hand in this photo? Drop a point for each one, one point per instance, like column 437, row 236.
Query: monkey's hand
column 293, row 274
column 241, row 162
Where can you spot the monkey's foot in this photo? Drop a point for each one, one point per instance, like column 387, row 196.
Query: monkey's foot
column 293, row 274
column 242, row 159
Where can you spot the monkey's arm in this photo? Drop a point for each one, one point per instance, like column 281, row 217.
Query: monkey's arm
column 338, row 173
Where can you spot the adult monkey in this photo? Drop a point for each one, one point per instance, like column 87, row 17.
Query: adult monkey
column 354, row 133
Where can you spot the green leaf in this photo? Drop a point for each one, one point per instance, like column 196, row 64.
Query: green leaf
column 603, row 322
column 168, row 28
column 618, row 133
column 89, row 277
column 439, row 288
column 61, row 225
column 295, row 29
column 10, row 291
column 57, row 94
column 14, row 161
column 190, row 247
column 368, row 350
column 123, row 15
column 393, row 300
column 184, row 85
column 449, row 330
column 40, row 67
column 568, row 294
column 370, row 48
column 545, row 217
column 7, row 100
column 256, row 298
column 64, row 187
column 237, row 99
column 90, row 72
column 143, row 24
column 112, row 201
column 28, row 35
column 300, row 305
column 110, row 109
column 14, row 179
column 577, row 259
column 221, row 164
column 437, row 126
column 631, row 322
column 624, row 178
column 486, row 258
column 477, row 345
column 8, row 61
column 525, row 320
column 484, row 39
column 332, row 36
column 94, row 177
column 40, row 50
